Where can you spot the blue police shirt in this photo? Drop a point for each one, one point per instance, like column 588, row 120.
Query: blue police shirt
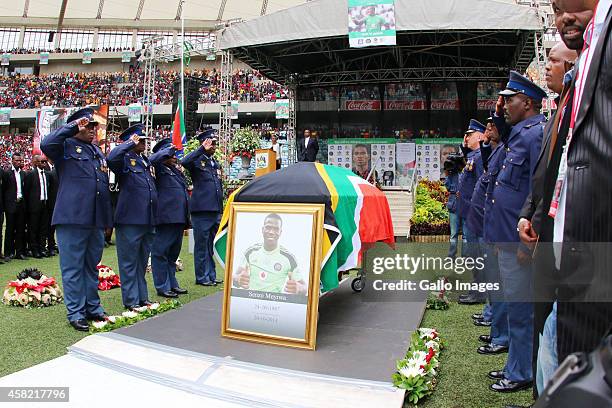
column 513, row 183
column 475, row 218
column 467, row 181
column 452, row 183
column 137, row 202
column 83, row 197
column 207, row 194
column 172, row 196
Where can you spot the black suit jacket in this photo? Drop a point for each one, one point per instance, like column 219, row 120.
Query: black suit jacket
column 584, row 288
column 53, row 186
column 309, row 153
column 32, row 187
column 9, row 190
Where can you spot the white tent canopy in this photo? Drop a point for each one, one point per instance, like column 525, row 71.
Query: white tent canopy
column 329, row 18
column 201, row 14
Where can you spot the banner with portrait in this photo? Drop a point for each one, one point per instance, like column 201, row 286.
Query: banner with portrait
column 126, row 56
column 87, row 57
column 281, row 107
column 5, row 116
column 272, row 273
column 134, row 112
column 431, row 155
column 232, row 109
column 371, row 23
column 6, row 58
column 371, row 159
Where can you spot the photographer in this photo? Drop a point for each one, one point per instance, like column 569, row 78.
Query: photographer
column 453, row 165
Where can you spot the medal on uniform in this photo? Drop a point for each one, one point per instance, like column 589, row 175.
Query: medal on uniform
column 79, row 150
column 152, row 171
column 203, row 163
column 133, row 162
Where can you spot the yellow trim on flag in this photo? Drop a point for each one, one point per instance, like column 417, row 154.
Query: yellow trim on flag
column 333, row 193
column 226, row 211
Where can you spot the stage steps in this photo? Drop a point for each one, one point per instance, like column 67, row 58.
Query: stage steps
column 402, row 206
column 155, row 373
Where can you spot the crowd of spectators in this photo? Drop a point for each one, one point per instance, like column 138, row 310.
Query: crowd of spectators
column 18, row 142
column 62, row 50
column 123, row 88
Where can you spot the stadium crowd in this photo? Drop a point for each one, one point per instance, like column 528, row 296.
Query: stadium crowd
column 123, row 88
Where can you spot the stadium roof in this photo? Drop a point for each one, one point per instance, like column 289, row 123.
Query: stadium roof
column 436, row 39
column 198, row 14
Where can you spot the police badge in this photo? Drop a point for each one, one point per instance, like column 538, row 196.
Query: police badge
column 133, row 162
column 78, row 149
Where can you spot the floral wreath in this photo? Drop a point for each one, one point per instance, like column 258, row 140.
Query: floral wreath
column 32, row 289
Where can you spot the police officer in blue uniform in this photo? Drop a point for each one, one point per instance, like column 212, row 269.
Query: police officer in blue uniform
column 521, row 128
column 451, row 182
column 492, row 152
column 135, row 214
column 467, row 181
column 172, row 218
column 82, row 212
column 206, row 206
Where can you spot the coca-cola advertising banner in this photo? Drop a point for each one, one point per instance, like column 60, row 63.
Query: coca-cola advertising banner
column 389, row 105
column 444, row 96
column 361, row 105
column 404, row 105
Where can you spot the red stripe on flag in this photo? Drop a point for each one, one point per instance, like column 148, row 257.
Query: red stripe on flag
column 177, row 138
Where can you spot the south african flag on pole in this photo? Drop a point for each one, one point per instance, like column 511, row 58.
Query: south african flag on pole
column 355, row 211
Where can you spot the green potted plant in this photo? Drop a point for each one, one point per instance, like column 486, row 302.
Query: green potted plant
column 243, row 143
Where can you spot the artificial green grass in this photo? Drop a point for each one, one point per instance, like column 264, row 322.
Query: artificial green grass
column 463, row 381
column 32, row 336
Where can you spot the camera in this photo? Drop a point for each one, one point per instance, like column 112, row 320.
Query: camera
column 454, row 163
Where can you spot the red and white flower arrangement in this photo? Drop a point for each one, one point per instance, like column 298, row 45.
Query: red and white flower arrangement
column 107, row 278
column 416, row 372
column 32, row 289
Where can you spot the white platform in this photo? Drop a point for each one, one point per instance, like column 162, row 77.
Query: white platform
column 112, row 370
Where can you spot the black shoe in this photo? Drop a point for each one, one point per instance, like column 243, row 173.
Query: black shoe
column 28, row 254
column 7, row 259
column 470, row 300
column 51, row 253
column 505, row 385
column 21, row 257
column 37, row 255
column 477, row 316
column 168, row 294
column 492, row 349
column 179, row 291
column 485, row 338
column 206, row 283
column 496, row 375
column 106, row 245
column 145, row 303
column 80, row 325
column 131, row 308
column 218, row 281
column 98, row 318
column 483, row 323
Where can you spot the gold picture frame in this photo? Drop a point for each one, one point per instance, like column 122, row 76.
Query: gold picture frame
column 260, row 303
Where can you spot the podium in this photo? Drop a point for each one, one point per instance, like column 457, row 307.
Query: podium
column 265, row 161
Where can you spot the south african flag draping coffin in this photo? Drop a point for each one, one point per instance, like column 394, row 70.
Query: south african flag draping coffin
column 356, row 213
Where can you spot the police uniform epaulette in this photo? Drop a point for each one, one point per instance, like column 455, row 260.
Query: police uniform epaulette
column 252, row 249
column 290, row 257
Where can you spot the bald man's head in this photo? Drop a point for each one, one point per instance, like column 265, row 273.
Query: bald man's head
column 555, row 67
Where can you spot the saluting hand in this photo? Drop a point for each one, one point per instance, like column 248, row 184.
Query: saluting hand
column 82, row 123
column 135, row 139
column 499, row 106
column 207, row 144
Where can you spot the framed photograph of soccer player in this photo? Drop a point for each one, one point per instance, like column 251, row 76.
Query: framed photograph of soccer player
column 273, row 267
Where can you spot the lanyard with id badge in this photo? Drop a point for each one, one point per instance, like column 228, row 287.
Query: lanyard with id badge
column 578, row 92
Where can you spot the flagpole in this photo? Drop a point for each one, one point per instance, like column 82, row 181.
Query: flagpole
column 182, row 114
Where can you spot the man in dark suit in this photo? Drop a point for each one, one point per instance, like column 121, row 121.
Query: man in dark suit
column 308, row 147
column 13, row 192
column 580, row 204
column 53, row 185
column 37, row 184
